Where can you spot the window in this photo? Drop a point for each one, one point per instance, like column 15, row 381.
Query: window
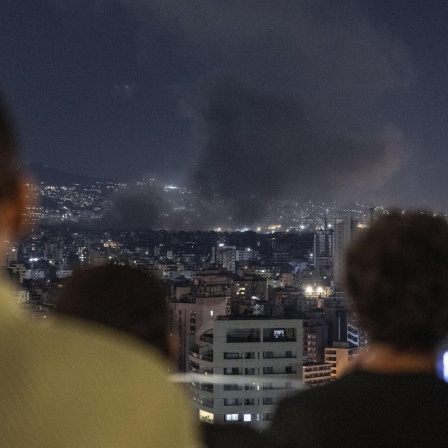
column 231, row 417
column 231, row 371
column 228, row 387
column 206, row 416
column 232, row 402
column 268, row 370
column 279, row 334
column 243, row 335
column 247, row 417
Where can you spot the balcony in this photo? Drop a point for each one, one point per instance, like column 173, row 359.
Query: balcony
column 208, row 371
column 278, row 339
column 232, row 387
column 207, row 338
column 286, row 371
column 285, row 356
column 202, row 402
column 202, row 386
column 206, row 356
column 232, row 338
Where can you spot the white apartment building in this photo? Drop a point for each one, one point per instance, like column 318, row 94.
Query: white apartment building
column 244, row 366
column 186, row 317
column 207, row 297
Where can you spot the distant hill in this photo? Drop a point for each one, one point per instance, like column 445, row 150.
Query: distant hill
column 50, row 175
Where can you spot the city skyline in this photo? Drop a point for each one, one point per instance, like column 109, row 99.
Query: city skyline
column 251, row 104
column 65, row 199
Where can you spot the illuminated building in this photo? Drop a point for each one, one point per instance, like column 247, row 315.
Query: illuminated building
column 339, row 357
column 255, row 361
column 344, row 231
column 323, row 254
column 316, row 373
column 209, row 296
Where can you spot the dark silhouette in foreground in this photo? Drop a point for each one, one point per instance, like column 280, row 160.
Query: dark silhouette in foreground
column 70, row 384
column 397, row 277
column 131, row 301
column 233, row 435
column 122, row 297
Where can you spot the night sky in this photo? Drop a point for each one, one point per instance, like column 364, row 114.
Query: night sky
column 237, row 98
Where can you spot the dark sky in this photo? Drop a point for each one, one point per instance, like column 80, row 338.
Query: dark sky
column 241, row 98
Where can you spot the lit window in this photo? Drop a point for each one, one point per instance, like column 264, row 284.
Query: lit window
column 206, row 416
column 247, row 417
column 231, row 417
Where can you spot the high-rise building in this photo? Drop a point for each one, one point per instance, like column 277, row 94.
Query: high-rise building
column 229, row 256
column 208, row 298
column 323, row 254
column 245, row 365
column 344, row 231
column 189, row 315
column 315, row 338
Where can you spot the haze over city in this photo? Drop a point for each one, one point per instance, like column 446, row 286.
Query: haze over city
column 242, row 103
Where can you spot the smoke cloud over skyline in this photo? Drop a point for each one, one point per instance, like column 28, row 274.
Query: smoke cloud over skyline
column 241, row 101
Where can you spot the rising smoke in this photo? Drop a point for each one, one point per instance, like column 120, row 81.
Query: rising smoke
column 284, row 100
column 259, row 147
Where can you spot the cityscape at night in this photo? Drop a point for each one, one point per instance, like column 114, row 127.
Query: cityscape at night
column 248, row 198
column 92, row 203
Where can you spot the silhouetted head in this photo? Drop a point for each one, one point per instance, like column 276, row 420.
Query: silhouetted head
column 122, row 297
column 13, row 191
column 9, row 168
column 397, row 276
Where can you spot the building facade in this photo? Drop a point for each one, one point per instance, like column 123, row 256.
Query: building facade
column 244, row 366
